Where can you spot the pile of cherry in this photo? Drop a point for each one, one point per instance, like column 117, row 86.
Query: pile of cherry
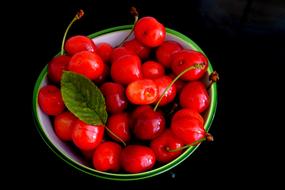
column 154, row 126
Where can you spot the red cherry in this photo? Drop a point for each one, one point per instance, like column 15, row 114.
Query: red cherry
column 187, row 113
column 149, row 124
column 162, row 83
column 56, row 67
column 63, row 125
column 195, row 96
column 135, row 46
column 137, row 112
column 50, row 100
column 120, row 52
column 79, row 43
column 186, row 58
column 104, row 50
column 165, row 142
column 149, row 32
column 88, row 64
column 188, row 129
column 119, row 125
column 126, row 69
column 152, row 70
column 165, row 52
column 103, row 76
column 142, row 92
column 115, row 99
column 179, row 84
column 87, row 137
column 137, row 158
column 107, row 157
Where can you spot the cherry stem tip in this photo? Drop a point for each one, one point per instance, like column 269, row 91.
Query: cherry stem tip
column 78, row 16
column 208, row 137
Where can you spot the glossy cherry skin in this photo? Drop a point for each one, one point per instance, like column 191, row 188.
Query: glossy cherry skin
column 102, row 78
column 186, row 58
column 195, row 96
column 63, row 125
column 188, row 129
column 135, row 46
column 115, row 98
column 79, row 43
column 142, row 92
column 137, row 158
column 164, row 142
column 50, row 100
column 162, row 83
column 104, row 50
column 152, row 70
column 87, row 137
column 88, row 64
column 126, row 69
column 187, row 113
column 149, row 124
column 165, row 51
column 56, row 67
column 120, row 52
column 119, row 125
column 149, row 32
column 107, row 157
column 137, row 112
column 179, row 84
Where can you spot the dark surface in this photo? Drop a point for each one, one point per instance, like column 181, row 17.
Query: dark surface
column 241, row 38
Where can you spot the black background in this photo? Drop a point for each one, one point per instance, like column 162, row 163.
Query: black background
column 244, row 42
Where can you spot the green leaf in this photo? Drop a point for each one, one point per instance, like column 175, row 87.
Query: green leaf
column 83, row 98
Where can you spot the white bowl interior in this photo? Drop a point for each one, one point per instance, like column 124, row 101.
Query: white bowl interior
column 114, row 38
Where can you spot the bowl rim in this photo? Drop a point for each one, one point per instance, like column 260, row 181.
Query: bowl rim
column 115, row 176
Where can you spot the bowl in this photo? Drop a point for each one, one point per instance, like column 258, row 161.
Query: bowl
column 70, row 156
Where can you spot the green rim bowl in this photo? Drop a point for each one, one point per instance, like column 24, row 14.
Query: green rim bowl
column 70, row 156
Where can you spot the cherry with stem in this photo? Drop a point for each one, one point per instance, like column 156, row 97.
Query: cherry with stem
column 208, row 137
column 196, row 66
column 135, row 14
column 78, row 15
column 110, row 131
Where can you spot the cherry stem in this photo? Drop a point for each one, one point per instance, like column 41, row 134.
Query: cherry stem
column 186, row 146
column 214, row 77
column 196, row 66
column 208, row 137
column 78, row 15
column 134, row 13
column 115, row 136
